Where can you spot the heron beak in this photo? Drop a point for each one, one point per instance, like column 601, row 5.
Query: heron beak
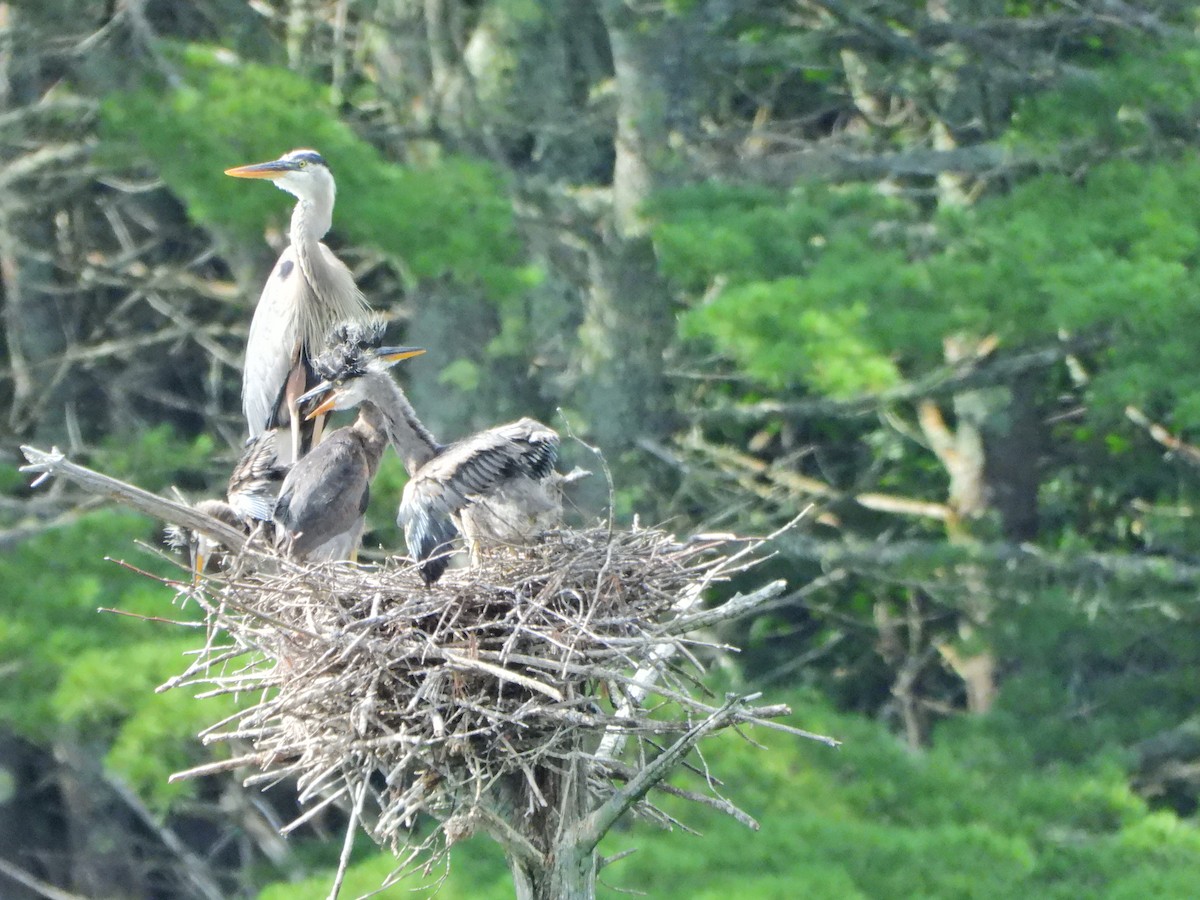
column 393, row 355
column 324, row 406
column 325, row 389
column 274, row 169
column 319, row 391
column 200, row 560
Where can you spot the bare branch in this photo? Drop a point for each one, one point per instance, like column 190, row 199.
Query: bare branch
column 597, row 823
column 55, row 462
column 951, row 379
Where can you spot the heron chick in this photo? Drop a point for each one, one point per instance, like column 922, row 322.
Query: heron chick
column 497, row 487
column 308, row 292
column 322, row 504
column 248, row 505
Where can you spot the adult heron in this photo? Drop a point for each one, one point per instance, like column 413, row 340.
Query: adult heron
column 495, row 487
column 308, row 292
column 322, row 504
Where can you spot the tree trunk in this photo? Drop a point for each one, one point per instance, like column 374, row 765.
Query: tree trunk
column 628, row 322
column 562, row 868
column 961, row 451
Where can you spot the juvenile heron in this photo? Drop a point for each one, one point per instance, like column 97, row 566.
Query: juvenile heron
column 495, row 487
column 308, row 292
column 249, row 500
column 322, row 504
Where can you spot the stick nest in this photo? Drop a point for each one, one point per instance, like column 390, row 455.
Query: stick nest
column 372, row 689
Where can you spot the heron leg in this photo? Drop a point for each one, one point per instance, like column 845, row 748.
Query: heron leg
column 292, row 393
column 318, row 429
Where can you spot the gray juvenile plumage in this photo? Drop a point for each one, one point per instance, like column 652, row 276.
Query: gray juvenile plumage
column 322, row 504
column 495, row 487
column 308, row 292
column 249, row 504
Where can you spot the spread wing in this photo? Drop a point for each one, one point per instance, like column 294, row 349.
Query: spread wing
column 464, row 472
column 254, row 484
column 324, row 495
column 273, row 346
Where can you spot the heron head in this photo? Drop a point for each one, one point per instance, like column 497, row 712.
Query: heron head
column 302, row 173
column 199, row 548
column 350, row 384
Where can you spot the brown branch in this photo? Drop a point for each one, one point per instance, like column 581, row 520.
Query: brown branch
column 993, row 370
column 1189, row 453
column 803, row 485
column 589, row 831
column 1006, row 561
column 39, row 887
column 54, row 463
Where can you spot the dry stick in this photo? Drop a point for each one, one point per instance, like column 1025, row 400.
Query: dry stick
column 509, row 838
column 613, row 743
column 348, row 844
column 502, row 674
column 626, row 773
column 645, row 678
column 55, row 463
column 597, row 823
column 35, row 884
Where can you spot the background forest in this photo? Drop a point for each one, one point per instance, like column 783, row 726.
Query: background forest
column 929, row 268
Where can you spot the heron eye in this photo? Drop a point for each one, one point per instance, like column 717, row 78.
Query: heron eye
column 302, row 163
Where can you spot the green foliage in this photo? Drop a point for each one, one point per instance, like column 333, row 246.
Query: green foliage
column 822, row 293
column 448, row 217
column 1142, row 97
column 799, row 271
column 157, row 458
column 974, row 817
column 109, row 695
column 1099, row 676
column 54, row 584
column 386, row 490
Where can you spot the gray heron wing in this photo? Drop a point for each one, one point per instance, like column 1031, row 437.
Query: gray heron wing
column 274, row 344
column 464, row 472
column 324, row 494
column 254, row 484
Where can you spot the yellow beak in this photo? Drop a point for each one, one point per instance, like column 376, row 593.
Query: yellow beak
column 273, row 169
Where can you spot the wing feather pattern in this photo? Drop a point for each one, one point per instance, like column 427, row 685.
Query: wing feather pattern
column 463, row 473
column 254, row 484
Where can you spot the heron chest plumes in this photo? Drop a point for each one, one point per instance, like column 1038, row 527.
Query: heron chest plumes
column 329, row 295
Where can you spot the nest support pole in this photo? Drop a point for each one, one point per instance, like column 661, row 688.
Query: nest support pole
column 563, row 868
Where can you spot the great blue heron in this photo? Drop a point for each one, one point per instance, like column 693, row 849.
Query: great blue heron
column 308, row 292
column 322, row 504
column 249, row 502
column 496, row 487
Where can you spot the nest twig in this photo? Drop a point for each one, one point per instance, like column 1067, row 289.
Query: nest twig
column 404, row 699
column 539, row 696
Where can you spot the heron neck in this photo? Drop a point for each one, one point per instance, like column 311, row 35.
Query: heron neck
column 371, row 426
column 412, row 440
column 311, row 221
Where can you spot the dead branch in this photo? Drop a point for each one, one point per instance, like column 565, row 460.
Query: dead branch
column 47, row 464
